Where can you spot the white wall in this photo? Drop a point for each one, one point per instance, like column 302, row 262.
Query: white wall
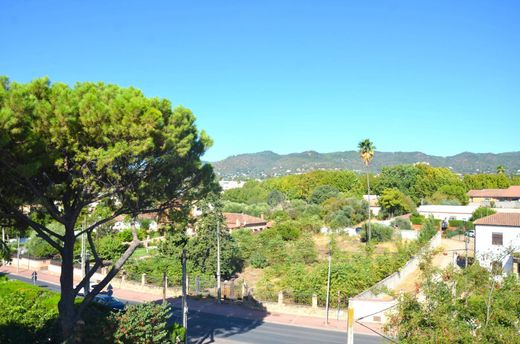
column 486, row 252
column 371, row 310
column 441, row 212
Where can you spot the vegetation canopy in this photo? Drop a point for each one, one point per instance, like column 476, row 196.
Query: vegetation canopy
column 65, row 149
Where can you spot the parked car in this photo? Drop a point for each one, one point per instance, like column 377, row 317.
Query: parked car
column 470, row 233
column 109, row 301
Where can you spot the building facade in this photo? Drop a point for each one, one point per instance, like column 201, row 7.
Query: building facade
column 497, row 241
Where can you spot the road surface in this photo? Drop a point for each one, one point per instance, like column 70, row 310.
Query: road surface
column 206, row 328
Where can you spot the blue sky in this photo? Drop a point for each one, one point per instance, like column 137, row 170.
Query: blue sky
column 440, row 77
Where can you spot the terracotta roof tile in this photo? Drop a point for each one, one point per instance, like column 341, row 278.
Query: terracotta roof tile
column 512, row 191
column 235, row 220
column 500, row 219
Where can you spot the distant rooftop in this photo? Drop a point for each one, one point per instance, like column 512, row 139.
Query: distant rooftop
column 500, row 219
column 510, row 192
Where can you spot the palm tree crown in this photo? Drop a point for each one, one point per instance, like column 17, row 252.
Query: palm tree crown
column 366, row 151
column 501, row 169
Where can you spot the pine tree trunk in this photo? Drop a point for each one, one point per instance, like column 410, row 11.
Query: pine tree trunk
column 66, row 307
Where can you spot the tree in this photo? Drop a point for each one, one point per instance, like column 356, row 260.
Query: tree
column 481, row 212
column 366, row 152
column 401, row 177
column 202, row 248
column 394, row 203
column 501, row 169
column 63, row 149
column 323, row 193
column 275, row 198
column 450, row 193
column 453, row 308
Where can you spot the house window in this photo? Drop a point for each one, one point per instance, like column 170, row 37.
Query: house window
column 497, row 239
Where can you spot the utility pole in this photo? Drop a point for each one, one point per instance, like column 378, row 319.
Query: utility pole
column 466, row 240
column 18, row 255
column 184, row 300
column 218, row 263
column 328, row 285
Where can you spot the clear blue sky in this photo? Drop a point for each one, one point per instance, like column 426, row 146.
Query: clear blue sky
column 440, row 77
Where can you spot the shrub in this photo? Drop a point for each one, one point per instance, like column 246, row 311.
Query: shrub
column 40, row 248
column 145, row 323
column 481, row 212
column 417, row 219
column 456, row 223
column 27, row 313
column 401, row 223
column 287, row 230
column 379, row 232
column 428, row 230
column 110, row 248
column 458, row 231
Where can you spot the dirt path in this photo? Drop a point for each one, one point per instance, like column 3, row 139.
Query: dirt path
column 447, row 250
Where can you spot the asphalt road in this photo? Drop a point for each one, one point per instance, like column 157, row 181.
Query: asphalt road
column 206, row 328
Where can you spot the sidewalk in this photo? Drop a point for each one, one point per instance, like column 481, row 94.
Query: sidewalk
column 224, row 309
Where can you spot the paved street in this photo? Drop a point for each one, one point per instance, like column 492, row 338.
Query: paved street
column 205, row 328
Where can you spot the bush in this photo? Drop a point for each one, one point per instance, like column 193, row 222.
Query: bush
column 417, row 219
column 481, row 212
column 110, row 248
column 428, row 230
column 146, row 323
column 379, row 232
column 458, row 231
column 40, row 248
column 401, row 223
column 456, row 223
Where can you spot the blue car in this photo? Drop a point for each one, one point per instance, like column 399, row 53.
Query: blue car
column 109, row 301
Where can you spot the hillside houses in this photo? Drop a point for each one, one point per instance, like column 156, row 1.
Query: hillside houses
column 236, row 221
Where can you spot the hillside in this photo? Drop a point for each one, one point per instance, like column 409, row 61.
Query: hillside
column 269, row 164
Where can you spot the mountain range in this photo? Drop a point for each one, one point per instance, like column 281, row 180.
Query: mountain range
column 269, row 164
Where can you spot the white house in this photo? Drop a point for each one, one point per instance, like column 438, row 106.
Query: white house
column 497, row 238
column 448, row 212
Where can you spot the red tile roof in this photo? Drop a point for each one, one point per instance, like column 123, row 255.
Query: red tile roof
column 235, row 220
column 510, row 192
column 500, row 219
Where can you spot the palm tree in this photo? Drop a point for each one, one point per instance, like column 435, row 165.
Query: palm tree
column 501, row 169
column 366, row 152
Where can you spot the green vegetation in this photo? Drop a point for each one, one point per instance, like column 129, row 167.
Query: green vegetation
column 380, row 233
column 462, row 306
column 481, row 212
column 394, row 203
column 64, row 148
column 29, row 314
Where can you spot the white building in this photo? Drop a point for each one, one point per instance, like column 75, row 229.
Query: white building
column 448, row 212
column 497, row 237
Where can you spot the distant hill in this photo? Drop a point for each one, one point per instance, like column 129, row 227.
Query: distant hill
column 269, row 164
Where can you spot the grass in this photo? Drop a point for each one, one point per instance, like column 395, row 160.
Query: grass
column 141, row 252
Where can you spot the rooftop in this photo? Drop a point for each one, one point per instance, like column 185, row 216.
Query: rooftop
column 235, row 220
column 510, row 192
column 500, row 219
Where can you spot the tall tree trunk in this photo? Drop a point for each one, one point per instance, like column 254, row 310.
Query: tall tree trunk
column 66, row 304
column 368, row 190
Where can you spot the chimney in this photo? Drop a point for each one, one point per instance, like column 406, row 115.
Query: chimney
column 262, row 216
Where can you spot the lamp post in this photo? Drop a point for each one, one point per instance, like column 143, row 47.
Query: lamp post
column 328, row 282
column 218, row 263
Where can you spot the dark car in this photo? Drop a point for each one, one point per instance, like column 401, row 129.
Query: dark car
column 109, row 301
